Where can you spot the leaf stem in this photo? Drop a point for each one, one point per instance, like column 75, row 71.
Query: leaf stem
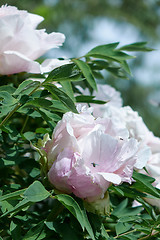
column 125, row 233
column 10, row 114
column 24, row 125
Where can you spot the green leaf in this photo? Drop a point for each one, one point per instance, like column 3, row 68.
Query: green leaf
column 106, row 49
column 12, row 195
column 62, row 96
column 64, row 72
column 7, row 98
column 137, row 46
column 15, row 231
column 72, row 206
column 123, row 211
column 86, row 222
column 88, row 99
column 21, row 205
column 29, row 135
column 148, row 208
column 26, row 87
column 40, row 102
column 36, row 192
column 84, row 67
column 7, row 88
column 122, row 227
column 34, row 232
column 108, row 52
column 143, row 183
column 68, row 89
column 126, row 67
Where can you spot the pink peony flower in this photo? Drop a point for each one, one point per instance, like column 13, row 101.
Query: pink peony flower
column 104, row 93
column 21, row 42
column 86, row 155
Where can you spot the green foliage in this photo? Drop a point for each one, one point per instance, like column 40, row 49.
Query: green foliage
column 30, row 208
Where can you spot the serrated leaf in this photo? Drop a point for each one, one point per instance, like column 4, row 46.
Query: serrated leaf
column 84, row 67
column 62, row 96
column 36, row 192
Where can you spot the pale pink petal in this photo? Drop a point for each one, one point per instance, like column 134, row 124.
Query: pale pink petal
column 111, row 177
column 13, row 62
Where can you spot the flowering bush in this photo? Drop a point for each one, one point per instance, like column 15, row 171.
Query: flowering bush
column 69, row 170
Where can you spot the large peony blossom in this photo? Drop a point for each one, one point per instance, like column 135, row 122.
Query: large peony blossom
column 86, row 155
column 21, row 42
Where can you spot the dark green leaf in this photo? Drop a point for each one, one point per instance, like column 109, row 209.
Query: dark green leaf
column 88, row 99
column 64, row 72
column 34, row 232
column 84, row 67
column 72, row 206
column 143, row 183
column 62, row 96
column 21, row 205
column 148, row 208
column 15, row 231
column 137, row 46
column 26, row 87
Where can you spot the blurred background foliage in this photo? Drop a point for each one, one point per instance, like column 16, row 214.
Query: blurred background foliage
column 82, row 21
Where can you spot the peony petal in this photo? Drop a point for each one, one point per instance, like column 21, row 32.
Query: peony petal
column 111, row 177
column 12, row 62
column 143, row 155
